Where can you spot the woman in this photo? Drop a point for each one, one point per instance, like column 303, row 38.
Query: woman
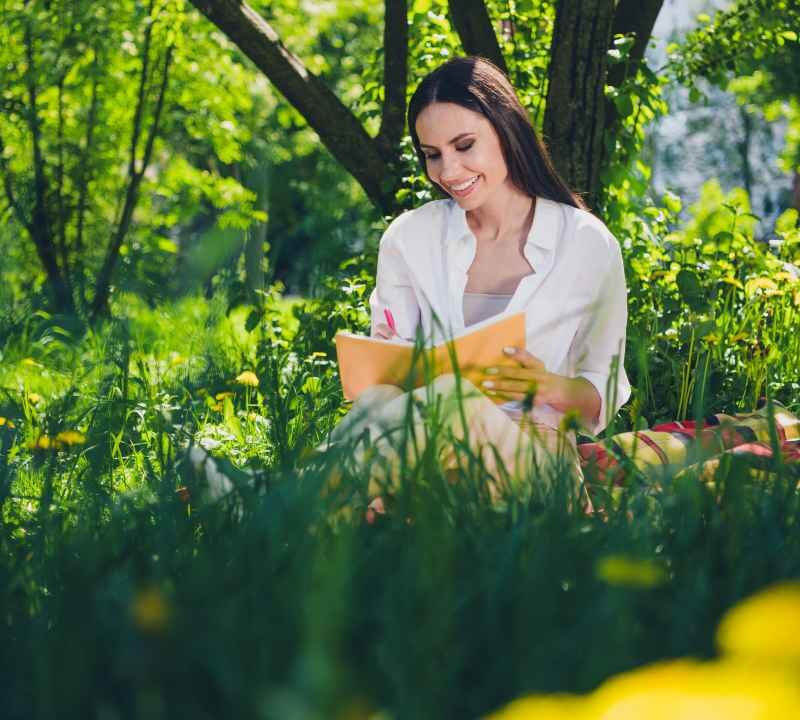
column 509, row 237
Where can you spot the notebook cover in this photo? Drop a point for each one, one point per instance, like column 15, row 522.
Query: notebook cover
column 366, row 361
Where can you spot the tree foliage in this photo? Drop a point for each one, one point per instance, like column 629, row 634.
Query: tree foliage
column 89, row 98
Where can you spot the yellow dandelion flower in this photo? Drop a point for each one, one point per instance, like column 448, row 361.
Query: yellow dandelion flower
column 70, row 437
column 760, row 283
column 543, row 707
column 150, row 611
column 630, row 572
column 691, row 689
column 222, row 395
column 248, row 377
column 34, row 398
column 764, row 626
column 216, row 407
column 733, row 281
column 175, row 358
column 43, row 442
column 7, row 423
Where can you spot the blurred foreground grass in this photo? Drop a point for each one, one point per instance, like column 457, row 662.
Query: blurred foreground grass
column 122, row 599
column 128, row 590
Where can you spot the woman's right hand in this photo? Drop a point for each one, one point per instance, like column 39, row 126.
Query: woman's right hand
column 382, row 330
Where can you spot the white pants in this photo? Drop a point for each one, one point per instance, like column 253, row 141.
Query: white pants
column 523, row 454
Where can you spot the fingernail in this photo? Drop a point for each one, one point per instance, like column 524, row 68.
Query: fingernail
column 491, row 371
column 488, row 384
column 509, row 350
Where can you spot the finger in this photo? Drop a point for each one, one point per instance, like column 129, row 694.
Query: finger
column 374, row 510
column 514, row 373
column 532, row 398
column 515, row 386
column 523, row 357
column 384, row 331
column 505, row 396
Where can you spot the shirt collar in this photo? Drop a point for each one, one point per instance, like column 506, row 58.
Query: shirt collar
column 543, row 233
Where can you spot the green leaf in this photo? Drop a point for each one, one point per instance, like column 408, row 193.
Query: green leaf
column 691, row 289
column 253, row 318
column 787, row 221
column 167, row 245
column 723, row 241
column 695, row 95
column 672, row 202
column 624, row 105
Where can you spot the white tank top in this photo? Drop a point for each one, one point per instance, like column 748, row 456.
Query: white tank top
column 479, row 306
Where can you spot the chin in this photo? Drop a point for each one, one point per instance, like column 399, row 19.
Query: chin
column 470, row 203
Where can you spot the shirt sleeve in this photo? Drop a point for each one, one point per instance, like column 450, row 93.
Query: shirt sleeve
column 394, row 290
column 600, row 342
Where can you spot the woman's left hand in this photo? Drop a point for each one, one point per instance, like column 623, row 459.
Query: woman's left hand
column 529, row 379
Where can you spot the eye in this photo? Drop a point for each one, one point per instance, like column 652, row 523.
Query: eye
column 464, row 148
column 432, row 156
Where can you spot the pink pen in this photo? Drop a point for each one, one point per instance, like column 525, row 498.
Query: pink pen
column 390, row 319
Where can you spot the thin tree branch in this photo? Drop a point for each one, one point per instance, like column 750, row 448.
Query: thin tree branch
column 103, row 286
column 84, row 173
column 141, row 97
column 41, row 216
column 8, row 184
column 126, row 206
column 41, row 225
column 61, row 219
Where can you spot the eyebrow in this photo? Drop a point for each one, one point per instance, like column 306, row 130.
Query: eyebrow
column 454, row 140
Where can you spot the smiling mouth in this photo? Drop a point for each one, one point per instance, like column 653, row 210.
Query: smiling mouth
column 463, row 187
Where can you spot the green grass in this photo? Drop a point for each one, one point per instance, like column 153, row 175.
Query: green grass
column 121, row 600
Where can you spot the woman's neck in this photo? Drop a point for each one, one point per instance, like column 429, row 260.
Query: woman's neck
column 503, row 216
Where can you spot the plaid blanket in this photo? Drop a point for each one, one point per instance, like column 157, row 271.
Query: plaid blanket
column 679, row 443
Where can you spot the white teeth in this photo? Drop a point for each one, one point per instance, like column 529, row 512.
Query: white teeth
column 459, row 188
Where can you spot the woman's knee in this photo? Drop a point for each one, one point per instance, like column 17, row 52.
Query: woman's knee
column 378, row 394
column 449, row 383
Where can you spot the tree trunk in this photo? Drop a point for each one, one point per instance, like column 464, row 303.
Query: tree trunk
column 471, row 21
column 637, row 17
column 40, row 226
column 744, row 151
column 337, row 127
column 575, row 113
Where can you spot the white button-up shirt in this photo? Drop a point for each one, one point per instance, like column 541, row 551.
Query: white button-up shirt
column 575, row 301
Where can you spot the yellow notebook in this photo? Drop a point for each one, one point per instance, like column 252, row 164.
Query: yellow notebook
column 367, row 361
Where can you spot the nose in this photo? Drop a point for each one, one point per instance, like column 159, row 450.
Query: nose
column 450, row 168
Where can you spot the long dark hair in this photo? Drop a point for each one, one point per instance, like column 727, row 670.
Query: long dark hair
column 478, row 85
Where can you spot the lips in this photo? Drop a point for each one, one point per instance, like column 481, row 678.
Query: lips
column 463, row 189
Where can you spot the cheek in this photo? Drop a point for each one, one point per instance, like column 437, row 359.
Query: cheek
column 496, row 166
column 434, row 171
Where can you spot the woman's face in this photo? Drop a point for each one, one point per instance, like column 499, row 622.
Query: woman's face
column 462, row 153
